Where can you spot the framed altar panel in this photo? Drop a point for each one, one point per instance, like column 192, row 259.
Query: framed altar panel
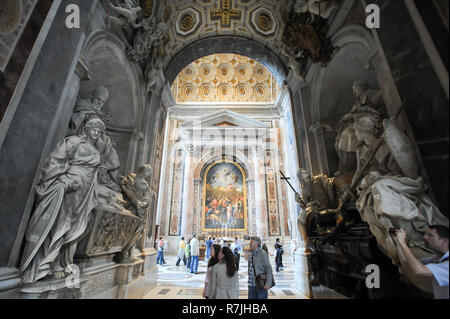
column 224, row 197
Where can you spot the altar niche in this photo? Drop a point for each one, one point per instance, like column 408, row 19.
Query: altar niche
column 224, row 198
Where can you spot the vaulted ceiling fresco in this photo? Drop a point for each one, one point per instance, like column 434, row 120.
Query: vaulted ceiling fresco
column 225, row 78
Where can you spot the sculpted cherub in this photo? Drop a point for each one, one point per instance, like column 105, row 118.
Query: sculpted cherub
column 129, row 14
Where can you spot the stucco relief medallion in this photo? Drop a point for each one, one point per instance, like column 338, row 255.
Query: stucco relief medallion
column 188, row 22
column 225, row 72
column 263, row 22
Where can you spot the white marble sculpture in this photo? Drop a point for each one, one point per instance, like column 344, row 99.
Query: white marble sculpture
column 129, row 14
column 148, row 38
column 137, row 193
column 86, row 109
column 66, row 195
column 295, row 62
column 321, row 8
column 367, row 100
column 391, row 193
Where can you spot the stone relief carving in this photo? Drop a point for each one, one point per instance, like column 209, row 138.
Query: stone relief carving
column 137, row 192
column 111, row 233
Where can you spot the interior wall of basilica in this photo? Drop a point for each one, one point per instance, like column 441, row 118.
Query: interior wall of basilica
column 203, row 103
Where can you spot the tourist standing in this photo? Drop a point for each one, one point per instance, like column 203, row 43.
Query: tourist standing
column 224, row 277
column 266, row 249
column 260, row 276
column 215, row 250
column 236, row 248
column 181, row 252
column 188, row 254
column 279, row 255
column 209, row 243
column 195, row 251
column 160, row 258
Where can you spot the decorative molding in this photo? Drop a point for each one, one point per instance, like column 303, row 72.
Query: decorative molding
column 213, row 119
column 225, row 14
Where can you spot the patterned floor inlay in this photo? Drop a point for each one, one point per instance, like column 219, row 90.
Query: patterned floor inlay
column 164, row 292
column 288, row 293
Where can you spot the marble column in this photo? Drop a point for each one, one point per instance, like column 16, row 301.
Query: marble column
column 187, row 211
column 260, row 191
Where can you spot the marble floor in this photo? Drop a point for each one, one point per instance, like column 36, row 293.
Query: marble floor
column 177, row 283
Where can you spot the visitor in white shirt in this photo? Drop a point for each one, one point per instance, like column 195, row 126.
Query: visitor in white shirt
column 430, row 274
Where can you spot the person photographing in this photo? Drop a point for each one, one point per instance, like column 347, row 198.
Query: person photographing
column 430, row 274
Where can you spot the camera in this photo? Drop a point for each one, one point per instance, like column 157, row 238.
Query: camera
column 392, row 231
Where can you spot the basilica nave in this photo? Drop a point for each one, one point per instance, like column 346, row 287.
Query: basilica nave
column 130, row 123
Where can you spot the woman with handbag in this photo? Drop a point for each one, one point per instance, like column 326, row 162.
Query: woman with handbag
column 224, row 282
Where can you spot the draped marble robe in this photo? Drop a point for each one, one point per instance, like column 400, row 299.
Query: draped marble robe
column 66, row 195
column 387, row 198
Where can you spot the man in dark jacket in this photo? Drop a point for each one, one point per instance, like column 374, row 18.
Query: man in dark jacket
column 260, row 276
column 279, row 255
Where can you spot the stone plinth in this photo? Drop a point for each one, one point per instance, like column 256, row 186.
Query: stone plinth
column 101, row 278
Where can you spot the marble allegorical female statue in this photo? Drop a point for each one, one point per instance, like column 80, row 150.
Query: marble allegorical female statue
column 66, row 195
column 392, row 193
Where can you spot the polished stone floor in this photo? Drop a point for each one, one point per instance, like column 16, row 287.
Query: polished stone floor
column 177, row 283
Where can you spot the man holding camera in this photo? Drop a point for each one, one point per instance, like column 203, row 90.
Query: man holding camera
column 260, row 276
column 430, row 274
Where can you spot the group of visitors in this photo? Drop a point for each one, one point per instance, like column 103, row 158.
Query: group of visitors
column 222, row 279
column 188, row 252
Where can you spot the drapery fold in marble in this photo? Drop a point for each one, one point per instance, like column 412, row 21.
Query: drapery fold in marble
column 66, row 195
